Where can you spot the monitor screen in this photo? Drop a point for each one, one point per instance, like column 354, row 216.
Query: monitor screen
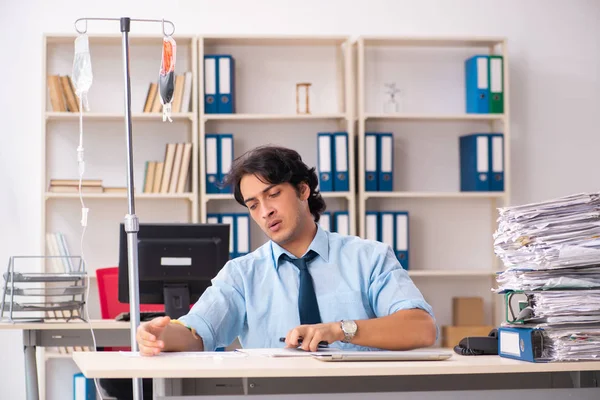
column 176, row 263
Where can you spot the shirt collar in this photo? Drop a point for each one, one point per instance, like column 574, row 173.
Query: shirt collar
column 320, row 245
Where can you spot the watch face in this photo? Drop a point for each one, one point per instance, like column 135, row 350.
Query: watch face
column 349, row 327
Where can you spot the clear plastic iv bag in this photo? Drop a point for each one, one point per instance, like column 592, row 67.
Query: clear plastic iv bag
column 166, row 77
column 82, row 69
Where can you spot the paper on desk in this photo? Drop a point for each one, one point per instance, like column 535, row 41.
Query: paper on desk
column 189, row 354
column 286, row 352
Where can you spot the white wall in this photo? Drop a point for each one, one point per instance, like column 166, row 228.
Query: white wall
column 554, row 66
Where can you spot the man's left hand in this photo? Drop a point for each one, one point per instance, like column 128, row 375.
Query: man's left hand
column 311, row 335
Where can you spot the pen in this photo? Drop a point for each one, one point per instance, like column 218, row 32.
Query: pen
column 322, row 343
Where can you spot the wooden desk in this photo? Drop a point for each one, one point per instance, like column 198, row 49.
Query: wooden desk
column 64, row 334
column 252, row 370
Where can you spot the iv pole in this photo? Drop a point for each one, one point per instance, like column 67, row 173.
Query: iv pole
column 131, row 221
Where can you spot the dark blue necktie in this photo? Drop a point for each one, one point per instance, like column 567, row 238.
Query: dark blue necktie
column 307, row 299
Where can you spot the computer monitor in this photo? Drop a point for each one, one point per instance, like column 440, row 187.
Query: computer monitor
column 176, row 263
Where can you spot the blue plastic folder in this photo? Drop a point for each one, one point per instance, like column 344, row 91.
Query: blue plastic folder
column 225, row 148
column 385, row 153
column 210, row 84
column 213, row 161
column 401, row 238
column 475, row 162
column 497, row 162
column 340, row 162
column 83, row 388
column 371, row 162
column 525, row 344
column 226, row 84
column 477, row 84
column 325, row 162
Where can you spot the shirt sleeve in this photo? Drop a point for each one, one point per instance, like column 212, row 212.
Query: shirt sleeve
column 391, row 289
column 218, row 316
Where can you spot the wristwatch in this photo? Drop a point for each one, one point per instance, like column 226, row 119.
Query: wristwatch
column 349, row 328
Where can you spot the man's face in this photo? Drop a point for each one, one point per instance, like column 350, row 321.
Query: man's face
column 277, row 209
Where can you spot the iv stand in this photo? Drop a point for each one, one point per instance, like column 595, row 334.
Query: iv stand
column 131, row 221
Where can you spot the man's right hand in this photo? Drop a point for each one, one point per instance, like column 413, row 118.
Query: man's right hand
column 150, row 336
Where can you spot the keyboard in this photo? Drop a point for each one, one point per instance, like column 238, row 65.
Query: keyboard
column 144, row 316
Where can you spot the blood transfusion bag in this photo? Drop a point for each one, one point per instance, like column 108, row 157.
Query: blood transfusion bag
column 166, row 77
column 82, row 69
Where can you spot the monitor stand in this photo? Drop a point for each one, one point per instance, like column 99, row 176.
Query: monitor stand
column 177, row 299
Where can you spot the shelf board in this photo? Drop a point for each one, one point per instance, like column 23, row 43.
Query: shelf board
column 157, row 196
column 115, row 39
column 450, row 273
column 436, row 117
column 336, row 195
column 74, row 116
column 278, row 40
column 218, row 196
column 53, row 355
column 435, row 195
column 270, row 117
column 416, row 41
column 229, row 196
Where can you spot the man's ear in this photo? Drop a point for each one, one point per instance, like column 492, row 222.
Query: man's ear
column 304, row 191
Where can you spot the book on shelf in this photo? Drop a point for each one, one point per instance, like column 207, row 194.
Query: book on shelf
column 171, row 174
column 62, row 94
column 182, row 95
column 72, row 186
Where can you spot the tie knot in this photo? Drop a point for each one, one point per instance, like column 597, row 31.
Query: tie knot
column 301, row 263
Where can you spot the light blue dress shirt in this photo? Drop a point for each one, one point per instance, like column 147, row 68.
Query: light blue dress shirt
column 255, row 297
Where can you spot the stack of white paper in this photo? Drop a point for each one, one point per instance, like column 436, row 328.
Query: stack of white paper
column 551, row 251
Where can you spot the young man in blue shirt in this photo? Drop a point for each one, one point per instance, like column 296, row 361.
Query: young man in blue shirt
column 305, row 284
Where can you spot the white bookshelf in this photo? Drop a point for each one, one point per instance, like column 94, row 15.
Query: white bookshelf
column 105, row 150
column 449, row 229
column 274, row 64
column 99, row 116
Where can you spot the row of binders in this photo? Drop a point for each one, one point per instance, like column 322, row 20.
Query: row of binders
column 239, row 231
column 337, row 221
column 332, row 162
column 171, row 174
column 390, row 227
column 484, row 81
column 379, row 161
column 482, row 162
column 219, row 158
column 219, row 84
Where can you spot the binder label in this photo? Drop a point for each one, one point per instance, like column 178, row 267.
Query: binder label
column 224, row 75
column 341, row 154
column 509, row 343
column 482, row 154
column 386, row 153
column 211, row 155
column 371, row 226
column 496, row 75
column 210, row 83
column 227, row 219
column 325, row 153
column 371, row 149
column 402, row 232
column 226, row 155
column 387, row 229
column 482, row 73
column 243, row 230
column 497, row 158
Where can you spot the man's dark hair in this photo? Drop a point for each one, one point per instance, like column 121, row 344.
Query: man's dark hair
column 276, row 165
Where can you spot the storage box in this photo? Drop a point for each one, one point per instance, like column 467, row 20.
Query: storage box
column 467, row 311
column 452, row 335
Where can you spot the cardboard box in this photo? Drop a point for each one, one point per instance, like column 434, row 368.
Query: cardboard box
column 452, row 335
column 467, row 311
